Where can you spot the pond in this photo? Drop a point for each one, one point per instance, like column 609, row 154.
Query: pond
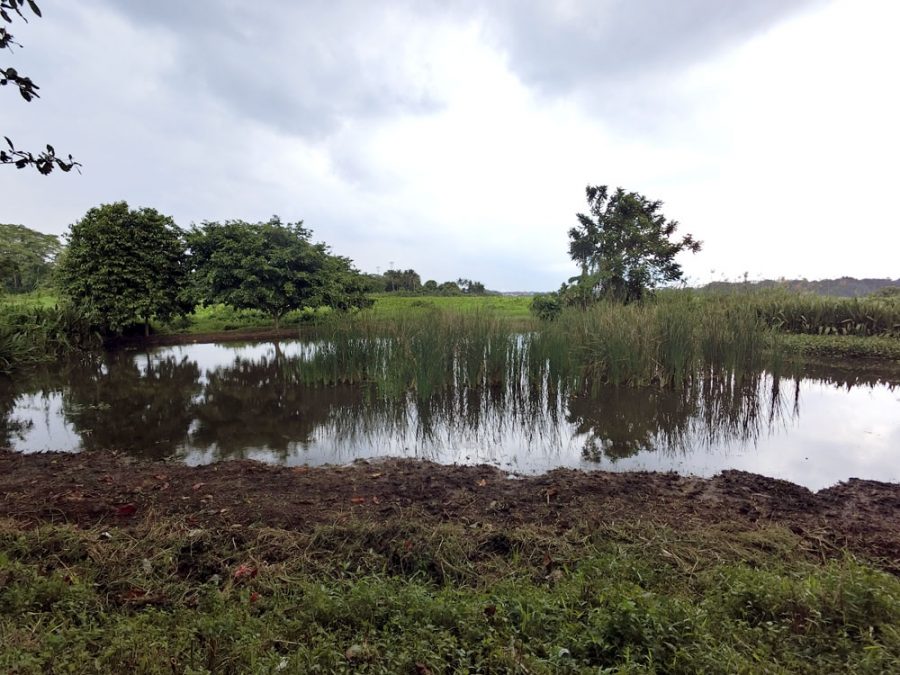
column 210, row 402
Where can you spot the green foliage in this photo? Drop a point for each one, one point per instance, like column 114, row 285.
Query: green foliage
column 26, row 258
column 402, row 280
column 623, row 246
column 811, row 314
column 396, row 596
column 125, row 266
column 35, row 334
column 272, row 267
column 546, row 307
column 408, row 282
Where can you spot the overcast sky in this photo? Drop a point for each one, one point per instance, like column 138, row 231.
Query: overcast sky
column 457, row 138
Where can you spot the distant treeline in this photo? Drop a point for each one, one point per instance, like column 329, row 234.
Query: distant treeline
column 408, row 282
column 844, row 287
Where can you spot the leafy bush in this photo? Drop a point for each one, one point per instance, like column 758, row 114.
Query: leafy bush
column 546, row 307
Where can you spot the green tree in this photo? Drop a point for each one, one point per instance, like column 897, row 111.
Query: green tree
column 26, row 258
column 407, row 281
column 46, row 160
column 125, row 266
column 469, row 287
column 624, row 245
column 272, row 267
column 449, row 288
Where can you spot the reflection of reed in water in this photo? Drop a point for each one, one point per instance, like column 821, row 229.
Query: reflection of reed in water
column 494, row 391
column 712, row 413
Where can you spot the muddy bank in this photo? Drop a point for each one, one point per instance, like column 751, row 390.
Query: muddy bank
column 90, row 489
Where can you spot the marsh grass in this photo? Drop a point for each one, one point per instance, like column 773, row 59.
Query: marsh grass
column 426, row 350
column 403, row 595
column 671, row 342
column 810, row 314
column 32, row 334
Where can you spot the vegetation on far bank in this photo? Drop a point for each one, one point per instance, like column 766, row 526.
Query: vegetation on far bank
column 397, row 596
column 126, row 270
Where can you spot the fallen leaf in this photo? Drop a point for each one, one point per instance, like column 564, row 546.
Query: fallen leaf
column 126, row 510
column 197, row 486
column 300, row 469
column 377, row 474
column 244, row 572
column 482, row 482
column 376, row 500
column 254, row 596
column 357, row 500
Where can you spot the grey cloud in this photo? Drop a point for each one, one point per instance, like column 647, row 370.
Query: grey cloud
column 583, row 43
column 302, row 68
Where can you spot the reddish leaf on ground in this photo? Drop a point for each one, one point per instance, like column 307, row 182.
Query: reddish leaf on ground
column 197, row 486
column 244, row 572
column 126, row 510
column 254, row 596
column 357, row 500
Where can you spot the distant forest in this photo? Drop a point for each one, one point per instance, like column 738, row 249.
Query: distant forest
column 846, row 287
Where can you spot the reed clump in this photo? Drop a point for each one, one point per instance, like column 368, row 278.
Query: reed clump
column 669, row 342
column 666, row 344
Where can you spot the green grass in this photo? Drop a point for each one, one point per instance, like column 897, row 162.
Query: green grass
column 512, row 307
column 665, row 341
column 399, row 597
column 42, row 298
column 843, row 346
column 810, row 314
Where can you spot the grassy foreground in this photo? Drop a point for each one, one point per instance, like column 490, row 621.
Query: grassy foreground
column 166, row 596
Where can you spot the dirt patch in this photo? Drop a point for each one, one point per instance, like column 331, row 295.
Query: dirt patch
column 90, row 489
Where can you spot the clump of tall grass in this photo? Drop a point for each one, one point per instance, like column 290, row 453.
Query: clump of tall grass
column 419, row 351
column 807, row 313
column 667, row 343
column 34, row 334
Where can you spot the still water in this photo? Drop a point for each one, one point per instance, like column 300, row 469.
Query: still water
column 211, row 402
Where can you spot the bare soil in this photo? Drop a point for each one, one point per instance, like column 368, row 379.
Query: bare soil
column 91, row 489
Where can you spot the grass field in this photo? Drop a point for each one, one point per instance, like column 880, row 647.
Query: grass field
column 397, row 597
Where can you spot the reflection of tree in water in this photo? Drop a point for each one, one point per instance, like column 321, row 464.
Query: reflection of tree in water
column 262, row 405
column 620, row 422
column 9, row 426
column 139, row 404
column 155, row 406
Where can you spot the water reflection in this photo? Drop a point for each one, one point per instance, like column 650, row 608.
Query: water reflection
column 213, row 402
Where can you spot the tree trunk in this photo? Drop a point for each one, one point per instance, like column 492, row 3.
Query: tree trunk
column 146, row 327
